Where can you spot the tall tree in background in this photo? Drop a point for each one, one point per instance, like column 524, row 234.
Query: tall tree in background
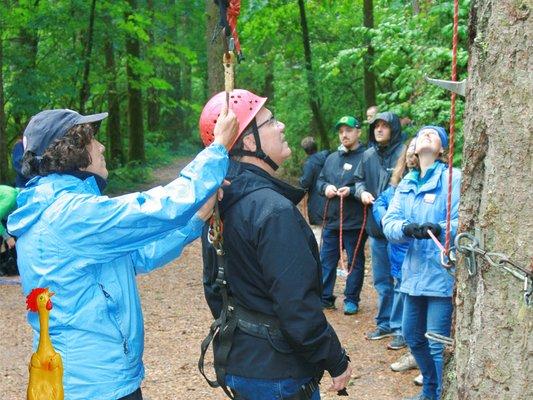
column 314, row 100
column 135, row 114
column 3, row 134
column 215, row 50
column 84, row 91
column 493, row 335
column 368, row 75
column 152, row 103
column 114, row 137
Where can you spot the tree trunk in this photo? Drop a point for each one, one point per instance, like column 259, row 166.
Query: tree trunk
column 84, row 91
column 416, row 7
column 268, row 91
column 368, row 61
column 493, row 328
column 135, row 114
column 114, row 138
column 3, row 133
column 215, row 50
column 314, row 101
column 152, row 103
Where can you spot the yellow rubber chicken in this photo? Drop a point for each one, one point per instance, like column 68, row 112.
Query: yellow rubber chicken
column 46, row 366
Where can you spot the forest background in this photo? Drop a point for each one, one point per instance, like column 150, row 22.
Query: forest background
column 146, row 63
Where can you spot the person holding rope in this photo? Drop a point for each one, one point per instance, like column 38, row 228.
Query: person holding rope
column 417, row 210
column 343, row 217
column 407, row 162
column 271, row 339
column 88, row 248
column 371, row 178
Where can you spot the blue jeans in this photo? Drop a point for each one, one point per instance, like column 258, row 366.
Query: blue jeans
column 266, row 389
column 397, row 308
column 423, row 314
column 382, row 282
column 329, row 257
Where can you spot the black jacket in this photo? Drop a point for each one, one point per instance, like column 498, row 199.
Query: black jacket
column 311, row 170
column 375, row 170
column 339, row 171
column 272, row 266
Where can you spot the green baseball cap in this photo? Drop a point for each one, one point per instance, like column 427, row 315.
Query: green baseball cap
column 349, row 121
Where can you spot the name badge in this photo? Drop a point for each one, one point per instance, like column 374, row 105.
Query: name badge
column 347, row 167
column 429, row 198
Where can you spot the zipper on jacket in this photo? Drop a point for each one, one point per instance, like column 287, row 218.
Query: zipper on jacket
column 124, row 341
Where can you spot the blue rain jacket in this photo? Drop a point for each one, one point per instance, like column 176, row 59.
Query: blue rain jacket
column 396, row 251
column 88, row 248
column 422, row 273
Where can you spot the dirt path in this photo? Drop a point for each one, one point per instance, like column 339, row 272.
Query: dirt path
column 176, row 320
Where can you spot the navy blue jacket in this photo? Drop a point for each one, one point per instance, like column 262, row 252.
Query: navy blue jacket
column 16, row 161
column 374, row 171
column 272, row 266
column 339, row 171
column 311, row 170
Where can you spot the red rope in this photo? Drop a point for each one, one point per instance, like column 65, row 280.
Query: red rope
column 455, row 41
column 359, row 240
column 341, row 253
column 324, row 217
column 234, row 10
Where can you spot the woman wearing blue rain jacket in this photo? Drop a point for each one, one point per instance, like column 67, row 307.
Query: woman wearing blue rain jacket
column 88, row 248
column 419, row 205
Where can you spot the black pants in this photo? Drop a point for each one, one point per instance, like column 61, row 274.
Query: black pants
column 137, row 395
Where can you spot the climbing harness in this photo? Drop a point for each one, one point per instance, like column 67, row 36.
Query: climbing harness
column 467, row 244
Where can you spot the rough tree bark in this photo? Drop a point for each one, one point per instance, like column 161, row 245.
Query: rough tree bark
column 84, row 91
column 314, row 100
column 135, row 114
column 368, row 73
column 493, row 331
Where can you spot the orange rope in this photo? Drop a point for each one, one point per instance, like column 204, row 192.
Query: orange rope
column 359, row 240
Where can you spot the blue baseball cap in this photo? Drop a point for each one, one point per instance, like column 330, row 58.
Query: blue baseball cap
column 440, row 131
column 49, row 125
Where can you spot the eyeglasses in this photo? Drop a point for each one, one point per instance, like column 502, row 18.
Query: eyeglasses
column 271, row 121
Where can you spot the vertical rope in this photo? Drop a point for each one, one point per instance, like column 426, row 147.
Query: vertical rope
column 341, row 218
column 359, row 240
column 455, row 41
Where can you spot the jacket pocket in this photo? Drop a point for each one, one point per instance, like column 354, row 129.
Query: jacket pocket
column 113, row 311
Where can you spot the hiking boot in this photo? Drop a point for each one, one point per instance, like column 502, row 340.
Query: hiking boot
column 397, row 343
column 419, row 380
column 328, row 305
column 419, row 396
column 378, row 334
column 350, row 308
column 404, row 363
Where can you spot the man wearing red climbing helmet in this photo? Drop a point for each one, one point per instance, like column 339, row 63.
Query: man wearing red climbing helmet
column 274, row 338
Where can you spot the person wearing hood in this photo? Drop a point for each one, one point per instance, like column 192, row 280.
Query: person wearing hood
column 88, row 248
column 311, row 169
column 371, row 178
column 271, row 338
column 336, row 183
column 419, row 206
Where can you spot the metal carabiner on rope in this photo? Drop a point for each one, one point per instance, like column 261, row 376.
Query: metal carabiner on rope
column 469, row 250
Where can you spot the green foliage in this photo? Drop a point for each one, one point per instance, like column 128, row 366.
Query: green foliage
column 44, row 42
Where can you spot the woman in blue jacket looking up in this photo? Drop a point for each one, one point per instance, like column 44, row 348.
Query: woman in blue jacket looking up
column 88, row 248
column 419, row 206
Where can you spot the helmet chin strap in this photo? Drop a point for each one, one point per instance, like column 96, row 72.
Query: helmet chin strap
column 258, row 153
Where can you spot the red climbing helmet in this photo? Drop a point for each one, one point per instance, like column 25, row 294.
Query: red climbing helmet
column 244, row 104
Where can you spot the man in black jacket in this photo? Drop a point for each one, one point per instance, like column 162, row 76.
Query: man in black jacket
column 311, row 170
column 371, row 178
column 336, row 183
column 274, row 338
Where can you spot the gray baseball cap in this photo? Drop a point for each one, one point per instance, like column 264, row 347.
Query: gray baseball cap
column 49, row 125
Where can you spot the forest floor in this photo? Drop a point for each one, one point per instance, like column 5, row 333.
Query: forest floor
column 177, row 319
